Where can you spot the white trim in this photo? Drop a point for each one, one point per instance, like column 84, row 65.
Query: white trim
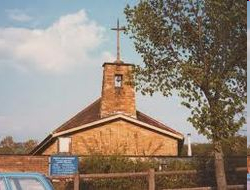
column 178, row 136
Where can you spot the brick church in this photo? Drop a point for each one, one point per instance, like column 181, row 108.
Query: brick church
column 112, row 124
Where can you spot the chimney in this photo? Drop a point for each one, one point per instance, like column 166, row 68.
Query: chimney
column 189, row 153
column 118, row 94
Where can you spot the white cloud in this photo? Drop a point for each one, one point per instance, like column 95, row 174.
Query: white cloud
column 18, row 15
column 108, row 57
column 68, row 42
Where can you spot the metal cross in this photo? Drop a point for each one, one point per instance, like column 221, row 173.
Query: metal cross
column 118, row 29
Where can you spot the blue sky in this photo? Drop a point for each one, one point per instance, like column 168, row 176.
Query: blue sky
column 51, row 56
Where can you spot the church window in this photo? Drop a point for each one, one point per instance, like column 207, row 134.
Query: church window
column 118, row 81
column 64, row 144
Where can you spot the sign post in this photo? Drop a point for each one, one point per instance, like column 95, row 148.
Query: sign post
column 63, row 165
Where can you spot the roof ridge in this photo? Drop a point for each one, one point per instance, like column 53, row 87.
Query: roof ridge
column 75, row 116
column 160, row 123
column 114, row 117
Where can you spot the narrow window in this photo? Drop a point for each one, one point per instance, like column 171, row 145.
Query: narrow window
column 64, row 144
column 118, row 81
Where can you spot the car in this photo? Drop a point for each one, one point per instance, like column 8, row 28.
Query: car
column 24, row 181
column 248, row 181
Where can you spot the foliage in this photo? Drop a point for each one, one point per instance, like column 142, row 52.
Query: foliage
column 198, row 48
column 7, row 142
column 114, row 164
column 233, row 146
column 198, row 149
column 110, row 164
column 104, row 164
column 9, row 146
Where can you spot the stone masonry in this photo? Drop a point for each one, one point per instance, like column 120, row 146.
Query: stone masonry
column 117, row 100
column 119, row 137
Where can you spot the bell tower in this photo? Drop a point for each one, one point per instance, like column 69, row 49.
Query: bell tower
column 118, row 94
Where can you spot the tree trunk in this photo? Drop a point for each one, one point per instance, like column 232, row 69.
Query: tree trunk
column 219, row 167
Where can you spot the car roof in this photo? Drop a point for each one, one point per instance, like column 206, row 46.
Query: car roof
column 20, row 174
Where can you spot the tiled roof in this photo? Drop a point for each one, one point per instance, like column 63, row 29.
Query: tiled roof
column 92, row 113
column 88, row 115
column 146, row 119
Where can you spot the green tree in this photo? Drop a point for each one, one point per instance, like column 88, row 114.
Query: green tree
column 7, row 142
column 29, row 145
column 196, row 48
column 233, row 146
column 198, row 149
column 9, row 146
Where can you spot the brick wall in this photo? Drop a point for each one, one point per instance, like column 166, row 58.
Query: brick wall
column 23, row 163
column 120, row 137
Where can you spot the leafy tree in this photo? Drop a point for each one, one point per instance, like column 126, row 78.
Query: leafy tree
column 6, row 150
column 233, row 146
column 9, row 146
column 7, row 142
column 196, row 48
column 198, row 149
column 29, row 145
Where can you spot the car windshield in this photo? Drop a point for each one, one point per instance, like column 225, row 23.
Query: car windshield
column 23, row 183
column 2, row 184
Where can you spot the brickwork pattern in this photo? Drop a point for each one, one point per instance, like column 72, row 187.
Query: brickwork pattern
column 16, row 163
column 117, row 99
column 120, row 137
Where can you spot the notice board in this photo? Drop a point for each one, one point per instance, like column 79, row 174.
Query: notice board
column 63, row 165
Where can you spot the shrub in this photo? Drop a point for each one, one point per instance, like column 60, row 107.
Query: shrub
column 116, row 164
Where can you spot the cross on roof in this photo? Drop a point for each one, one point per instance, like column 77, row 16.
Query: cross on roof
column 118, row 29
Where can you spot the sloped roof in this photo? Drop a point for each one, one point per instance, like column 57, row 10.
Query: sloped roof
column 149, row 120
column 91, row 114
column 87, row 115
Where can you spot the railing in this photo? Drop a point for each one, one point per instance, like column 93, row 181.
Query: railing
column 150, row 175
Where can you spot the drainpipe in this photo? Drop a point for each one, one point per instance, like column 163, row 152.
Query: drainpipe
column 189, row 153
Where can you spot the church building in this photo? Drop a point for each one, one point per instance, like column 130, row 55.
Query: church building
column 112, row 124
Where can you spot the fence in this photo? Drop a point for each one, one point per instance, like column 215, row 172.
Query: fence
column 236, row 175
column 150, row 176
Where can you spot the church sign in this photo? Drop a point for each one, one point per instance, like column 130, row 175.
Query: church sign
column 63, row 165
